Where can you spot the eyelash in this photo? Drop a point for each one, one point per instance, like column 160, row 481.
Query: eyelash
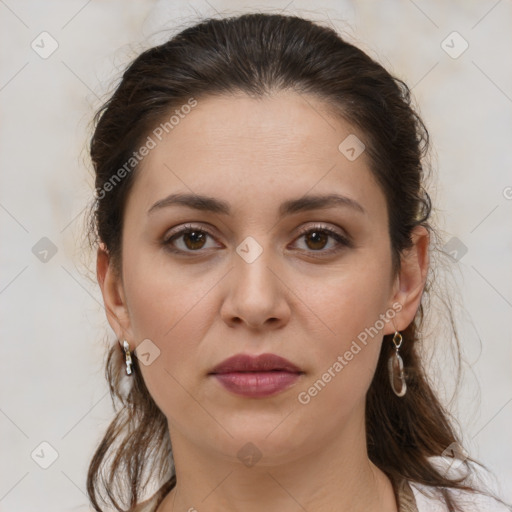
column 340, row 239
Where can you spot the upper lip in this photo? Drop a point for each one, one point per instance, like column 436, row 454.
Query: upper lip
column 259, row 363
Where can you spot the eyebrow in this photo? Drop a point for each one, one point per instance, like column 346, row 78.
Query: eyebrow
column 214, row 205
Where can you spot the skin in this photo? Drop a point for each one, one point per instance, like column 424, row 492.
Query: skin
column 295, row 300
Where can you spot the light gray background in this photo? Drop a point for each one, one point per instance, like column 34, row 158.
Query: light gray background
column 53, row 329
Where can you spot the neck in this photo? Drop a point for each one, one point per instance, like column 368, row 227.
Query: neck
column 335, row 476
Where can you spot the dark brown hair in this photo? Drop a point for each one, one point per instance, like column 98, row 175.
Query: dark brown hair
column 259, row 54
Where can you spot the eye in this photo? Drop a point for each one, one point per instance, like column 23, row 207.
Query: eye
column 188, row 239
column 317, row 237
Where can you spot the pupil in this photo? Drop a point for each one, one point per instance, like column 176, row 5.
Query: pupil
column 318, row 238
column 195, row 238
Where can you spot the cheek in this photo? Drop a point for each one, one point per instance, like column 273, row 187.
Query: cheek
column 353, row 311
column 170, row 308
column 351, row 299
column 173, row 320
column 161, row 297
column 345, row 360
column 175, row 323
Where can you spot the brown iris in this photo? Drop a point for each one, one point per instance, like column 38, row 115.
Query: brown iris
column 196, row 238
column 318, row 238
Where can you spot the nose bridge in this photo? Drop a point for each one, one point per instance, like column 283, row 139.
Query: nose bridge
column 255, row 291
column 252, row 273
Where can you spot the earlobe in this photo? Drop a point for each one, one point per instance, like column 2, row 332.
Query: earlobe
column 412, row 277
column 113, row 294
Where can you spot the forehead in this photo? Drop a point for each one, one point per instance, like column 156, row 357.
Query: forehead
column 256, row 149
column 283, row 124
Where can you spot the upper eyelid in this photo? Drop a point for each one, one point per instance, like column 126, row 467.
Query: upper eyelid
column 180, row 230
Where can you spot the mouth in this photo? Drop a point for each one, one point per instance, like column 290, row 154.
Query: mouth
column 256, row 376
column 260, row 363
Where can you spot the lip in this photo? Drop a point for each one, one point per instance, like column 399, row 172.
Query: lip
column 256, row 376
column 259, row 363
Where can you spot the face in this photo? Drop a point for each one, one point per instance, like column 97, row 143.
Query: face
column 253, row 277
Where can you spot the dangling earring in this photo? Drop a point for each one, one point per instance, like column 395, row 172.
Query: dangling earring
column 396, row 368
column 127, row 357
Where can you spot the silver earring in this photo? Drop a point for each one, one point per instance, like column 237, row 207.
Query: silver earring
column 127, row 357
column 396, row 368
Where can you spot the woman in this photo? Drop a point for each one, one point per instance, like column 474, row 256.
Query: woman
column 263, row 250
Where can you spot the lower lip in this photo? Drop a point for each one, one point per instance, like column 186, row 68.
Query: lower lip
column 257, row 384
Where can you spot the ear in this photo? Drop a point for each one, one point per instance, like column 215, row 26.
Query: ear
column 410, row 281
column 113, row 295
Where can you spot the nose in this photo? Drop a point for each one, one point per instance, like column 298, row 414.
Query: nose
column 256, row 295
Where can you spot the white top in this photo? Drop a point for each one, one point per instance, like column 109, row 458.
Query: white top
column 428, row 498
column 469, row 502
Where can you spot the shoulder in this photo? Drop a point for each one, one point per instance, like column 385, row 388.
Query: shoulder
column 429, row 499
column 146, row 506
